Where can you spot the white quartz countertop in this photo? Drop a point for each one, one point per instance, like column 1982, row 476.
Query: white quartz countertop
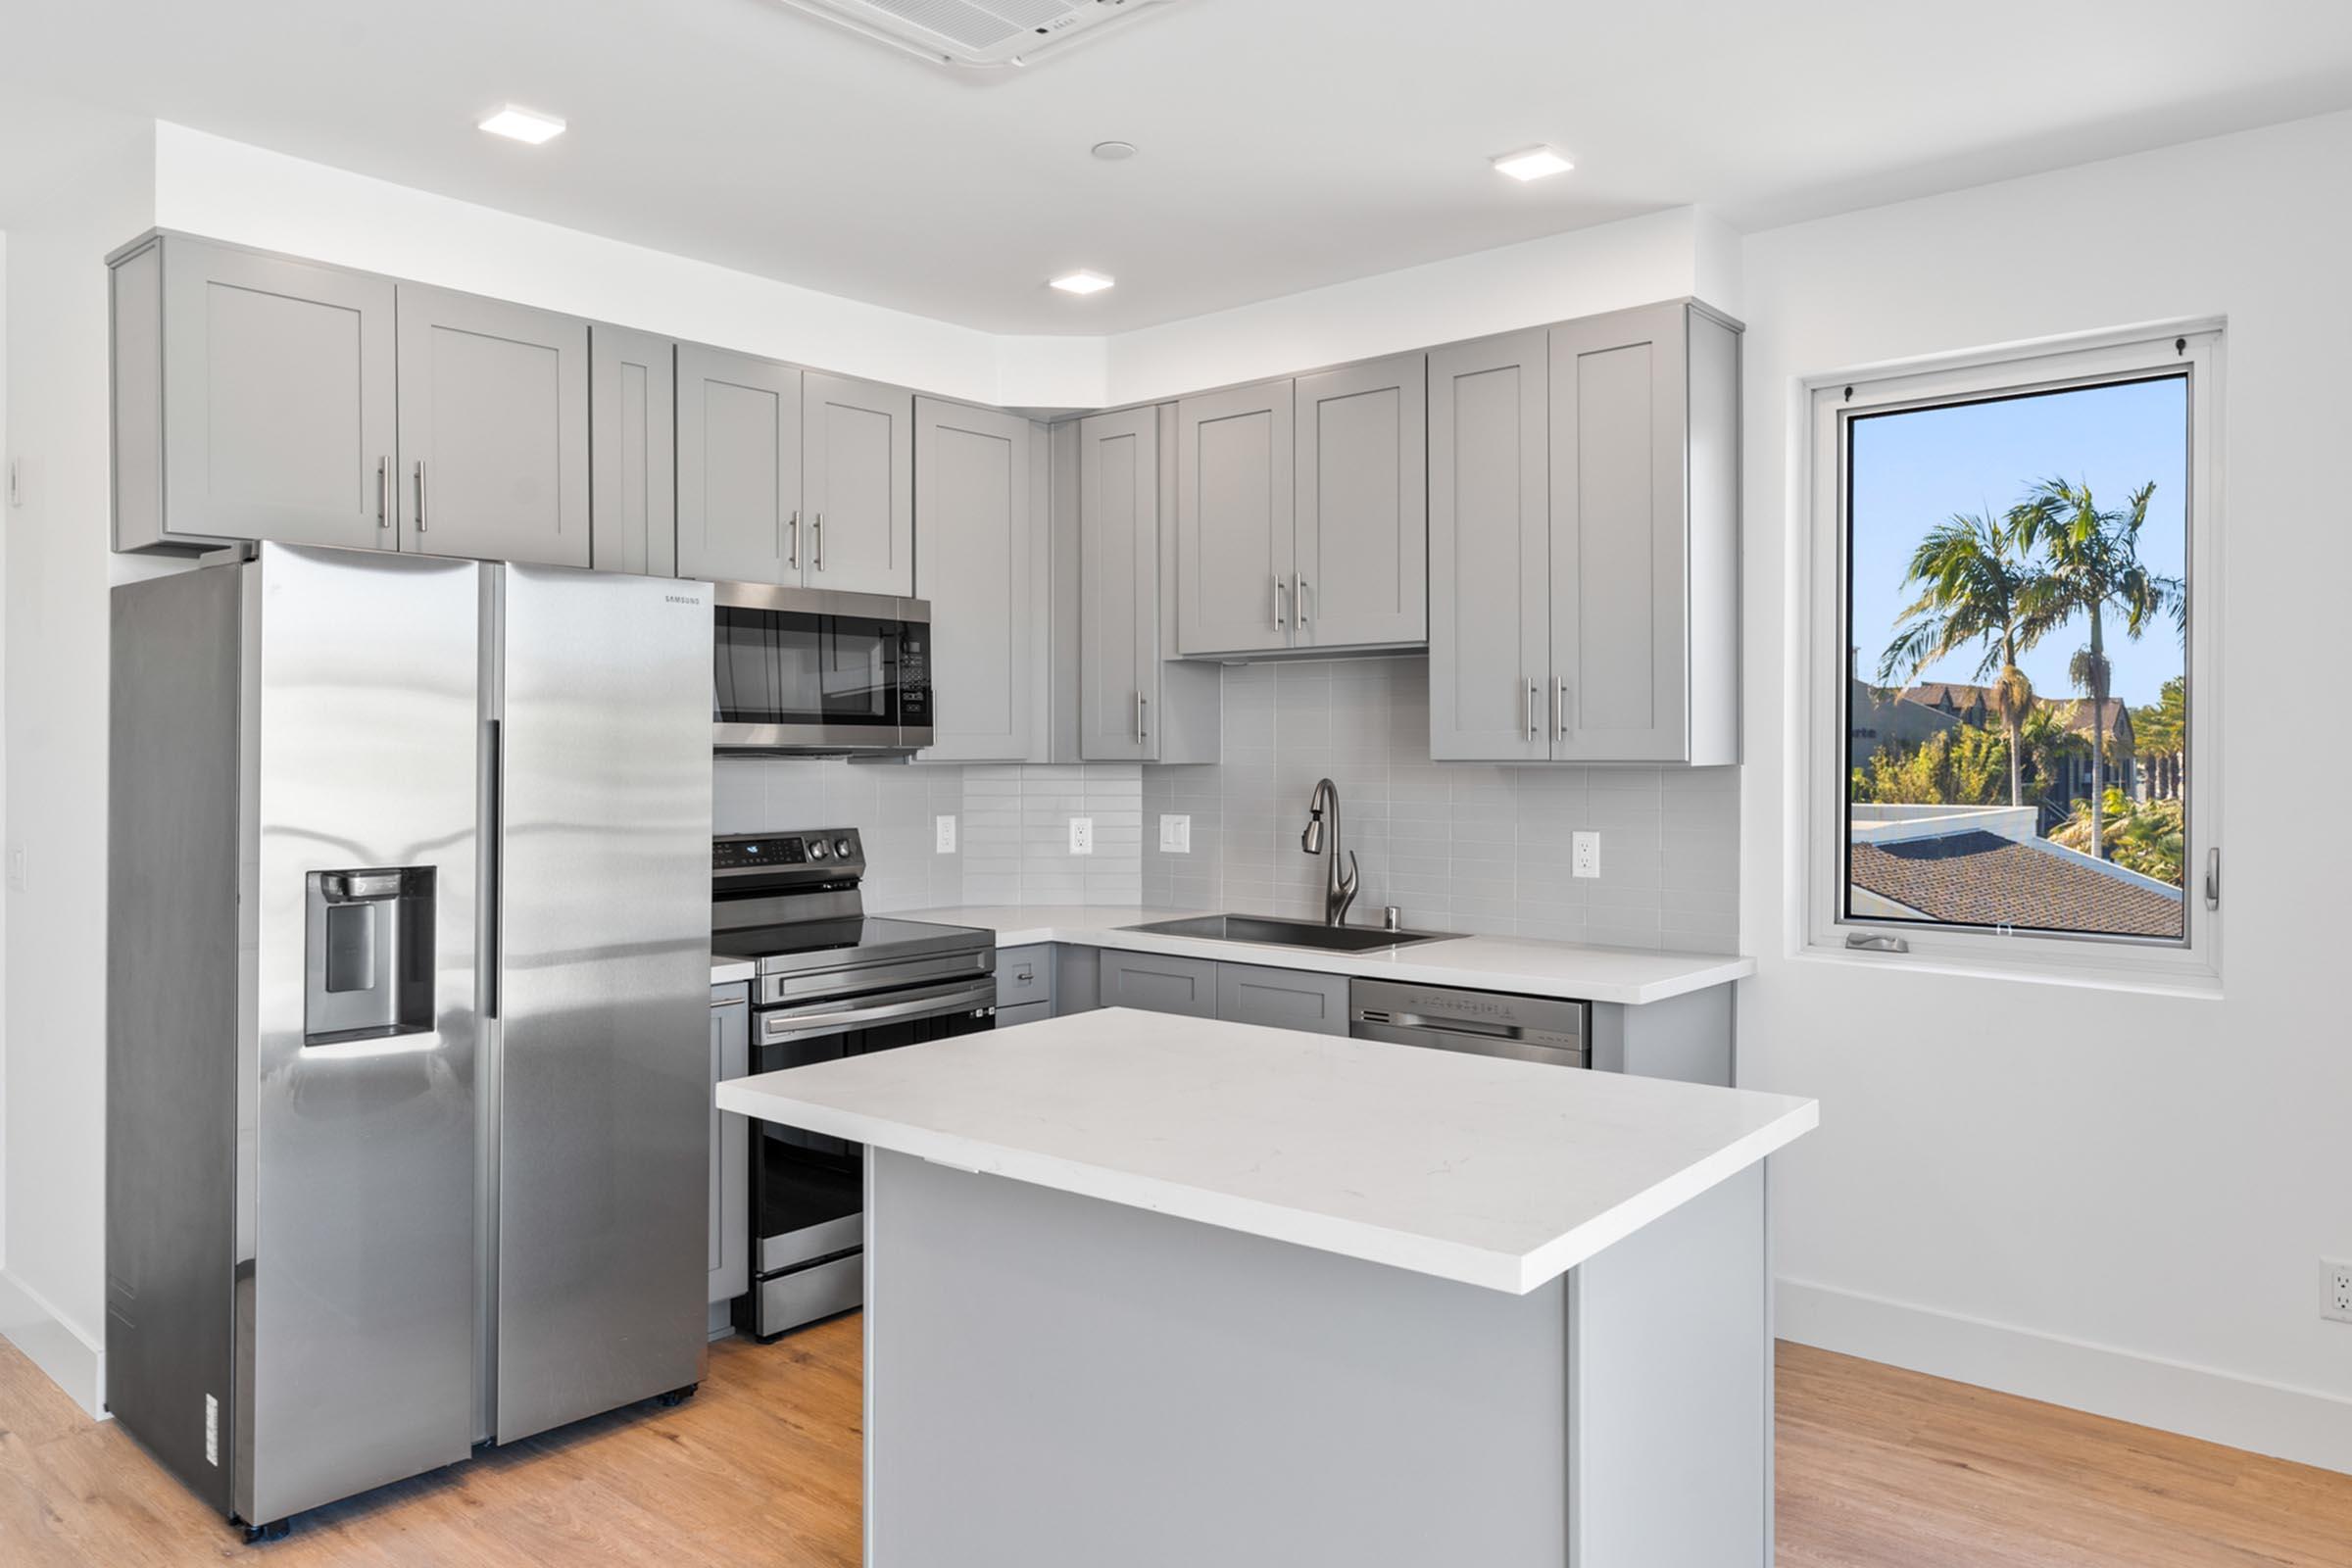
column 1481, row 963
column 1501, row 1174
column 731, row 971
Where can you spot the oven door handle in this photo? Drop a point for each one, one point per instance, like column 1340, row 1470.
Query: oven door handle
column 780, row 1025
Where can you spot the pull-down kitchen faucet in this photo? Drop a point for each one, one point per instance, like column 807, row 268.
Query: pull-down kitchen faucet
column 1339, row 890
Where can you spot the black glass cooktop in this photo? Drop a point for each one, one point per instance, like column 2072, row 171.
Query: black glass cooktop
column 852, row 939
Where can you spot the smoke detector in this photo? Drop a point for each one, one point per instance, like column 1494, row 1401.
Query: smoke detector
column 982, row 34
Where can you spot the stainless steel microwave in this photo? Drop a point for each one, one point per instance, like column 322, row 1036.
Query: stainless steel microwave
column 810, row 671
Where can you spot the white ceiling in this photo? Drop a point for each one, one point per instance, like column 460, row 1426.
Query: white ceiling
column 1286, row 143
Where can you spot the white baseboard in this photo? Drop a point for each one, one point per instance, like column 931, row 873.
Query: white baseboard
column 2304, row 1425
column 72, row 1362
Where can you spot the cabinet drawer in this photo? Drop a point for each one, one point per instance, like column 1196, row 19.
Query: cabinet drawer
column 1023, row 1012
column 1283, row 998
column 1025, row 975
column 1187, row 986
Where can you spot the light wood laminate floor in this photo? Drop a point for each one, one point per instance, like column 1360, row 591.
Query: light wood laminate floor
column 1878, row 1468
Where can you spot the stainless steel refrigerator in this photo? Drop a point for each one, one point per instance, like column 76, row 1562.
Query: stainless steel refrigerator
column 407, row 1024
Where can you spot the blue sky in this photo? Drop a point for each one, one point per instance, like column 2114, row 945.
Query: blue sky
column 1913, row 470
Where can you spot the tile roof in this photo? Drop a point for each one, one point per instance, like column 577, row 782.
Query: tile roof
column 1980, row 878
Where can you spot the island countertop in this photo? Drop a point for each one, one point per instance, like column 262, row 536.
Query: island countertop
column 1494, row 1173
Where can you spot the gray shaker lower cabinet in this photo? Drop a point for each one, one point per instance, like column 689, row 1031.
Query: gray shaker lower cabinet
column 1077, row 979
column 253, row 399
column 1025, row 978
column 493, row 429
column 633, row 452
column 1283, row 998
column 730, row 1154
column 1156, row 984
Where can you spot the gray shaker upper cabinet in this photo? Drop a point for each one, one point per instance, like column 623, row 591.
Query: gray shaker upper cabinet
column 973, row 509
column 1118, row 595
column 493, row 429
column 1361, row 570
column 739, row 468
column 1235, row 563
column 632, row 450
column 857, row 484
column 1645, row 537
column 1488, row 550
column 279, row 380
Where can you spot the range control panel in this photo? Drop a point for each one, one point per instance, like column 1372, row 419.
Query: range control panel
column 756, row 852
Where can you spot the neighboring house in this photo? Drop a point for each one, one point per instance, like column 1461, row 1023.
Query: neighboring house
column 1969, row 704
column 1878, row 716
column 1977, row 868
column 2122, row 764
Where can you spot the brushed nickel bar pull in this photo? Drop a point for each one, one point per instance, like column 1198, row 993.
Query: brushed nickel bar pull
column 1299, row 598
column 383, row 492
column 1559, row 705
column 421, row 495
column 1280, row 622
column 1532, row 731
column 820, row 541
column 792, row 549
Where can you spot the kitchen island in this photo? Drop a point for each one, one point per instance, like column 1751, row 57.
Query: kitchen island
column 1152, row 1290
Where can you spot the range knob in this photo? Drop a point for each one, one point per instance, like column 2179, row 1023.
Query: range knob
column 818, row 848
column 843, row 849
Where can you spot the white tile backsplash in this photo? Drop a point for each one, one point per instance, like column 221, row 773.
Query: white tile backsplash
column 1457, row 846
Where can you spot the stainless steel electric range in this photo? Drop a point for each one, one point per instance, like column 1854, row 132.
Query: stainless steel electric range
column 831, row 981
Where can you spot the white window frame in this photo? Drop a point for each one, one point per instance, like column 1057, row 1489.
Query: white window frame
column 2192, row 965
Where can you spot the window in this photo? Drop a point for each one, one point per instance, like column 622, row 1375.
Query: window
column 2015, row 564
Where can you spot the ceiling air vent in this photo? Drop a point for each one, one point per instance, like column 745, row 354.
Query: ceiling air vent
column 978, row 32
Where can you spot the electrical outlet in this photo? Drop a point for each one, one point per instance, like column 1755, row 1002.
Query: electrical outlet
column 2335, row 1290
column 1175, row 835
column 943, row 827
column 1082, row 835
column 1586, row 854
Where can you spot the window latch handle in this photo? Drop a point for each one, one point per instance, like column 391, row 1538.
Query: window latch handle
column 1875, row 942
column 2212, row 879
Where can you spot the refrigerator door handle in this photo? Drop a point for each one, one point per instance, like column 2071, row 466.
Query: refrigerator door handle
column 493, row 841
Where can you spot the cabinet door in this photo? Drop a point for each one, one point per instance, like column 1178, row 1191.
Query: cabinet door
column 1283, row 998
column 1489, row 651
column 1024, row 976
column 1234, row 500
column 730, row 1149
column 857, row 484
column 1362, row 570
column 1153, row 984
column 278, row 398
column 1118, row 598
column 972, row 475
column 739, row 468
column 632, row 451
column 1619, row 563
column 493, row 429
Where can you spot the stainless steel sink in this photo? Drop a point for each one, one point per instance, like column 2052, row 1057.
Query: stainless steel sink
column 1267, row 931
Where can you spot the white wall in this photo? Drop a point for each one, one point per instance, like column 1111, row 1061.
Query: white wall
column 57, row 569
column 1632, row 261
column 2107, row 1200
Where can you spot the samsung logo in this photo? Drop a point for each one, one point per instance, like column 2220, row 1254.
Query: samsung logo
column 680, row 599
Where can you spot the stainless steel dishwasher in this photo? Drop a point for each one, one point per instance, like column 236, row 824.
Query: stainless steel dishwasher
column 1483, row 1023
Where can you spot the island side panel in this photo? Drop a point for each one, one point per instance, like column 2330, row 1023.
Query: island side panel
column 1060, row 1381
column 1670, row 1376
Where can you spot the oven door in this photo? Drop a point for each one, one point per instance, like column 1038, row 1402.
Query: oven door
column 798, row 670
column 808, row 1188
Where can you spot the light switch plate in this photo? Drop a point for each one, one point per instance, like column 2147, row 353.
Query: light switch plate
column 1082, row 835
column 1175, row 835
column 944, row 830
column 1586, row 854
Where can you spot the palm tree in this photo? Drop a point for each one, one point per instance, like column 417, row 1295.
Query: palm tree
column 1974, row 580
column 2093, row 566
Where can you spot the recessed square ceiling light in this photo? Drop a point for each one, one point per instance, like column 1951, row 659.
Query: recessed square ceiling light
column 1083, row 282
column 523, row 125
column 1532, row 162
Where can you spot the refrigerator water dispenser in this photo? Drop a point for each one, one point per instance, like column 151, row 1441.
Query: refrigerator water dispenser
column 369, row 973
